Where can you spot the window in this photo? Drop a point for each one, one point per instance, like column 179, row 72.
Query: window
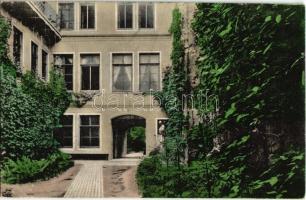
column 17, row 46
column 146, row 15
column 65, row 63
column 87, row 16
column 66, row 13
column 64, row 134
column 89, row 130
column 34, row 57
column 122, row 72
column 125, row 15
column 149, row 71
column 90, row 65
column 44, row 64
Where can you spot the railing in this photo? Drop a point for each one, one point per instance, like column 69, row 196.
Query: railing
column 49, row 12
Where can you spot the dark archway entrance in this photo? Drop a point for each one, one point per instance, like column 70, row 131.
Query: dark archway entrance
column 121, row 126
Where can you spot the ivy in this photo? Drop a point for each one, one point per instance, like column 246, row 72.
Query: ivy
column 174, row 84
column 30, row 108
column 251, row 60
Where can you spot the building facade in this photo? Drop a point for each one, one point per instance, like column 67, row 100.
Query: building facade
column 112, row 54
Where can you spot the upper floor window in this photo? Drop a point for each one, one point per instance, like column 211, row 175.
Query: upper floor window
column 87, row 16
column 89, row 131
column 125, row 16
column 122, row 72
column 66, row 13
column 34, row 57
column 64, row 134
column 65, row 63
column 146, row 15
column 149, row 67
column 44, row 64
column 17, row 46
column 90, row 64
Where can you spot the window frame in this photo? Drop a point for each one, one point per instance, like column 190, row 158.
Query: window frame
column 132, row 74
column 74, row 14
column 100, row 69
column 73, row 65
column 117, row 17
column 42, row 64
column 72, row 132
column 99, row 135
column 160, row 68
column 154, row 15
column 36, row 57
column 21, row 50
column 80, row 16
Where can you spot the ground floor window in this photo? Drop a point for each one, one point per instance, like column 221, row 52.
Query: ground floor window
column 89, row 131
column 64, row 134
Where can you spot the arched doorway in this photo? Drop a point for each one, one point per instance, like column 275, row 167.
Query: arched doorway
column 122, row 126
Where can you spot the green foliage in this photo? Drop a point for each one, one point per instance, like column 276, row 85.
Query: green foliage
column 174, row 84
column 250, row 55
column 251, row 60
column 30, row 110
column 136, row 139
column 25, row 170
column 284, row 177
column 156, row 179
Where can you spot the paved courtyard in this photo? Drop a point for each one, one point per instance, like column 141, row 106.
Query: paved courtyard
column 114, row 178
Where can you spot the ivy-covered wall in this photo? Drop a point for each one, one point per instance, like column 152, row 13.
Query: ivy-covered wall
column 30, row 108
column 249, row 137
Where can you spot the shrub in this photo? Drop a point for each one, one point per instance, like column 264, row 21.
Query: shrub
column 25, row 170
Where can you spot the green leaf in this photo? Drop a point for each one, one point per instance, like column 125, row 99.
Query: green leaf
column 300, row 157
column 268, row 18
column 266, row 49
column 239, row 117
column 227, row 30
column 230, row 111
column 255, row 89
column 272, row 181
column 278, row 18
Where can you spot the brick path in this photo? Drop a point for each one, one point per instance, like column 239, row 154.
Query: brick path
column 89, row 180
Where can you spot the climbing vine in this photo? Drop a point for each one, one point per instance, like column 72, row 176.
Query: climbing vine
column 251, row 65
column 172, row 92
column 30, row 108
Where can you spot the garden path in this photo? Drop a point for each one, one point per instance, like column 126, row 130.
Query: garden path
column 114, row 178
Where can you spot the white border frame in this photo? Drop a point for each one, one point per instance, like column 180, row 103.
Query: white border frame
column 78, row 133
column 160, row 68
column 111, row 72
column 80, row 71
column 73, row 66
